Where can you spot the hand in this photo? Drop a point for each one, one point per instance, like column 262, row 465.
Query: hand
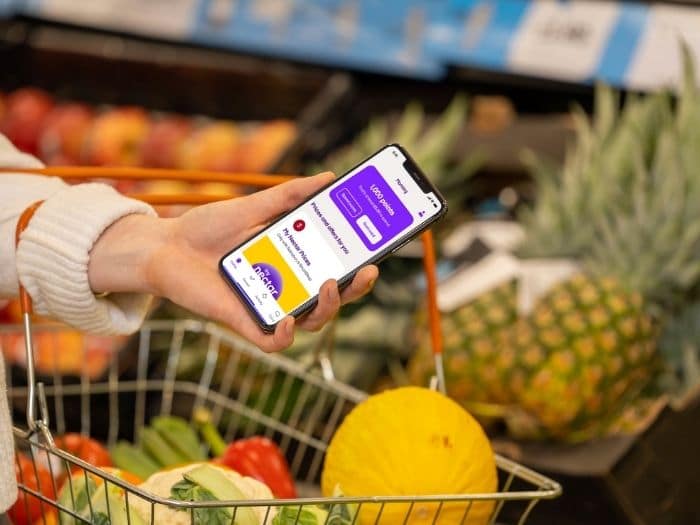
column 178, row 258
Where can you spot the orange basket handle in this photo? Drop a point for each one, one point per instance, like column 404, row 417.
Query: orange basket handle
column 36, row 391
column 430, row 269
column 260, row 180
column 246, row 179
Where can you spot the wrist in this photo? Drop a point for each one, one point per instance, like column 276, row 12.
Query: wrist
column 122, row 257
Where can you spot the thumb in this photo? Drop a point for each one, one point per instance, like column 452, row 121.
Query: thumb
column 264, row 206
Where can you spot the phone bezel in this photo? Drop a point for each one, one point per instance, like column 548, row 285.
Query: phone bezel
column 381, row 254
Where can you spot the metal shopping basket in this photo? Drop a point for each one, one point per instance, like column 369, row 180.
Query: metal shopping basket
column 247, row 392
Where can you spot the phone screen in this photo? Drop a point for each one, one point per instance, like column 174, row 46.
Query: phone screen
column 356, row 220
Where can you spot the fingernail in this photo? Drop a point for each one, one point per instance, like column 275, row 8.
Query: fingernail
column 289, row 328
column 371, row 284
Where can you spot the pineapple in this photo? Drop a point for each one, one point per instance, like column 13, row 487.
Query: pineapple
column 598, row 348
column 626, row 206
column 470, row 348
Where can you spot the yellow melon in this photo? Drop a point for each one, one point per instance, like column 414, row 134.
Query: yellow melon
column 412, row 441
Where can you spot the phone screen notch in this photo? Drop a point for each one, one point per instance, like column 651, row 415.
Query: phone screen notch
column 416, row 175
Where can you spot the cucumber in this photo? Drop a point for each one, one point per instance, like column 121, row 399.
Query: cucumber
column 131, row 459
column 160, row 450
column 180, row 436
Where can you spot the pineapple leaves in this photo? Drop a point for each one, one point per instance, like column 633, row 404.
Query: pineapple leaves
column 605, row 111
column 440, row 137
column 687, row 106
column 626, row 200
column 410, row 125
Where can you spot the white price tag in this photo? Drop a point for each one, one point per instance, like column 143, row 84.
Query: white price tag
column 167, row 18
column 491, row 271
column 657, row 62
column 562, row 40
column 538, row 276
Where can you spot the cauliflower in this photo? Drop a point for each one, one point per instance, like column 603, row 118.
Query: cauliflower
column 161, row 483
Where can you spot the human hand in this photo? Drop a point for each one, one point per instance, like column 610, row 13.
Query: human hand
column 178, row 259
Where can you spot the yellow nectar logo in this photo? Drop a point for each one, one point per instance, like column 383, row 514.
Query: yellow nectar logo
column 281, row 281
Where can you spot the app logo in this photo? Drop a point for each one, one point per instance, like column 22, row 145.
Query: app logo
column 274, row 271
column 270, row 277
column 299, row 225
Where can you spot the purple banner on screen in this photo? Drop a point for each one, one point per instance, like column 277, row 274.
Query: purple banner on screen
column 371, row 207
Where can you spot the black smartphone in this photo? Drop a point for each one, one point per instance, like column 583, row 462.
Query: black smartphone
column 359, row 219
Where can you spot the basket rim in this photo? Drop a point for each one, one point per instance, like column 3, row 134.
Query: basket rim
column 547, row 488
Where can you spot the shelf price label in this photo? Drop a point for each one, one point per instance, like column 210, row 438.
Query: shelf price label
column 562, row 40
column 166, row 18
column 658, row 62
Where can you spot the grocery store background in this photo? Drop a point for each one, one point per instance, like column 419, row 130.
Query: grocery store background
column 476, row 89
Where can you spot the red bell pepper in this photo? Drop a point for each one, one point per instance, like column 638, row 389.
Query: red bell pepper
column 27, row 509
column 260, row 458
column 257, row 457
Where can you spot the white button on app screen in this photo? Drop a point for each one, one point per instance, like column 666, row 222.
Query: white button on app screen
column 369, row 229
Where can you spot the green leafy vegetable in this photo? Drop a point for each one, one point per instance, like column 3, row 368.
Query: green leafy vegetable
column 341, row 514
column 101, row 518
column 186, row 490
column 295, row 515
column 74, row 496
column 338, row 514
column 87, row 491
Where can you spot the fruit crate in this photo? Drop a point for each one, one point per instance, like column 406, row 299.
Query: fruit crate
column 301, row 420
column 650, row 478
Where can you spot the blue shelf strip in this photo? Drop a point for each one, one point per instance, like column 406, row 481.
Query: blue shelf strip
column 369, row 35
column 413, row 38
column 9, row 7
column 622, row 44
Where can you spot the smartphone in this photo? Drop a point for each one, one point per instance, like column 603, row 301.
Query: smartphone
column 359, row 219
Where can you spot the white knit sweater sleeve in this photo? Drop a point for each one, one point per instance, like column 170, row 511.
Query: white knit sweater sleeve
column 51, row 262
column 52, row 257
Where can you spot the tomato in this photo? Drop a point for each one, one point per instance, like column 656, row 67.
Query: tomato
column 27, row 509
column 84, row 448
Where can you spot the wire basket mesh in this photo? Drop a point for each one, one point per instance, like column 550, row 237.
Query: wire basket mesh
column 176, row 367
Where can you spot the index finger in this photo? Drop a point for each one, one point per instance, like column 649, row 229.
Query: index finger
column 265, row 205
column 281, row 338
